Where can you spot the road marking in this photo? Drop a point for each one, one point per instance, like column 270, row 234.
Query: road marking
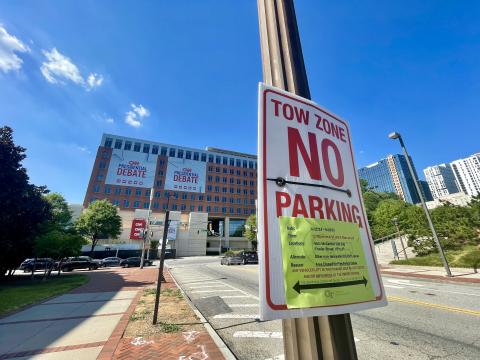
column 259, row 334
column 394, row 286
column 205, row 286
column 235, row 296
column 436, row 306
column 243, row 305
column 404, row 282
column 236, row 316
column 217, row 290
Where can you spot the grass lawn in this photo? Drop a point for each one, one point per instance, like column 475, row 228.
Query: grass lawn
column 23, row 291
column 455, row 258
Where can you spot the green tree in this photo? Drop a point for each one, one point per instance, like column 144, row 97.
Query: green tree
column 251, row 230
column 99, row 221
column 372, row 198
column 23, row 207
column 382, row 217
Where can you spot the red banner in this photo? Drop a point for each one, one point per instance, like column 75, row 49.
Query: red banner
column 138, row 226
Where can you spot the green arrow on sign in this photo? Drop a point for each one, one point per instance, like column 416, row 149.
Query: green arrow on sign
column 298, row 287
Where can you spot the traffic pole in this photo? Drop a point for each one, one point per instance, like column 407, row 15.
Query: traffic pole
column 147, row 229
column 160, row 267
column 319, row 337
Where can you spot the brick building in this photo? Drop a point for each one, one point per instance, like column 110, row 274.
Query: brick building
column 218, row 186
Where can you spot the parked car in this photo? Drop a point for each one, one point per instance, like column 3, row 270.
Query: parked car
column 110, row 261
column 231, row 259
column 134, row 261
column 79, row 262
column 249, row 257
column 40, row 264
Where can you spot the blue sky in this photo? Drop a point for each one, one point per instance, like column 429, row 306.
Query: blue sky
column 186, row 72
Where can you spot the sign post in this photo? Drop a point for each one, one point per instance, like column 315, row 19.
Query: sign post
column 316, row 257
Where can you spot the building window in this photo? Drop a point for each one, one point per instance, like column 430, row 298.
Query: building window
column 192, row 197
column 163, row 151
column 245, row 192
column 238, row 172
column 217, row 179
column 118, row 144
column 136, row 204
column 145, row 205
column 115, row 202
column 183, row 207
column 128, row 191
column 108, row 142
column 107, row 189
column 204, row 157
column 225, row 170
column 126, row 203
column 232, row 162
column 217, row 169
column 138, row 192
column 167, row 194
column 239, row 191
column 195, row 156
column 208, row 208
column 224, row 190
column 244, row 163
column 180, row 154
column 157, row 194
column 136, row 147
column 236, row 227
column 225, row 161
column 210, row 178
column 99, row 176
column 155, row 205
column 232, row 200
column 160, row 173
column 128, row 145
column 147, row 193
column 215, row 209
column 155, row 149
column 217, row 189
column 209, row 187
column 232, row 180
column 232, row 210
column 188, row 154
column 118, row 191
column 224, row 199
column 239, row 201
column 250, row 164
column 146, row 148
column 172, row 152
column 218, row 160
column 200, row 207
column 164, row 206
column 252, row 192
column 217, row 198
column 232, row 190
column 102, row 165
column 252, row 201
column 192, row 208
column 184, row 196
column 224, row 210
column 224, row 180
column 175, row 195
column 96, row 188
column 238, row 163
column 239, row 210
column 162, row 162
column 209, row 198
column 232, row 171
column 210, row 158
column 252, row 183
column 245, row 211
column 174, row 207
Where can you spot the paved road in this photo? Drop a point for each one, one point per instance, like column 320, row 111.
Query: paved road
column 424, row 319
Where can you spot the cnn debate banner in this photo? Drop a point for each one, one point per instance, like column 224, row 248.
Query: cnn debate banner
column 185, row 175
column 130, row 168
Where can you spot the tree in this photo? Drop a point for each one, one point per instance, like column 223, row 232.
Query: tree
column 99, row 221
column 23, row 207
column 251, row 230
column 382, row 217
column 372, row 198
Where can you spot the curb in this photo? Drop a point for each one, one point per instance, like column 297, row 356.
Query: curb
column 453, row 279
column 224, row 349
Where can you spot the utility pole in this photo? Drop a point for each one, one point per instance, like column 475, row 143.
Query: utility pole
column 147, row 229
column 160, row 268
column 320, row 337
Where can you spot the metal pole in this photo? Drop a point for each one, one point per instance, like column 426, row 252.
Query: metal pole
column 401, row 242
column 427, row 213
column 160, row 268
column 325, row 337
column 147, row 229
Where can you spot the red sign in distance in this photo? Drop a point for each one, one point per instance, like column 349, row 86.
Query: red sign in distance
column 138, row 225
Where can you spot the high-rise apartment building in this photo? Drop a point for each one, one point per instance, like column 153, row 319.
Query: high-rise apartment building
column 467, row 174
column 391, row 175
column 441, row 180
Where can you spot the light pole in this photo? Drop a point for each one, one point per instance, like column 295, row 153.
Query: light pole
column 395, row 136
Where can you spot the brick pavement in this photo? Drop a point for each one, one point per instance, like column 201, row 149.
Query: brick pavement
column 195, row 345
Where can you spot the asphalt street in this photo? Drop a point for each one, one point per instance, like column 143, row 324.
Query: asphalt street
column 425, row 319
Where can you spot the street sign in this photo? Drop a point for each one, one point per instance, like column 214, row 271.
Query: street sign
column 315, row 250
column 138, row 227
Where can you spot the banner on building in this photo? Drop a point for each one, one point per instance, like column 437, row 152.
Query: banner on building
column 138, row 227
column 172, row 230
column 185, row 175
column 128, row 168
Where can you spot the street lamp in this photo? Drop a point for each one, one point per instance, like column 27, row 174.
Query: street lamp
column 394, row 136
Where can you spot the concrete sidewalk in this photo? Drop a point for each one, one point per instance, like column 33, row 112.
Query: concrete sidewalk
column 430, row 272
column 78, row 324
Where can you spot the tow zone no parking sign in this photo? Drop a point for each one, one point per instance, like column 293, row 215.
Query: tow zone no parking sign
column 315, row 250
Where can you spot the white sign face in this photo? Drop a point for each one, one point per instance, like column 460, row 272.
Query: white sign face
column 315, row 249
column 129, row 168
column 172, row 230
column 185, row 175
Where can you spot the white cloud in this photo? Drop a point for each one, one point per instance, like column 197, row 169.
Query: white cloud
column 9, row 46
column 109, row 120
column 94, row 80
column 133, row 117
column 59, row 68
column 83, row 149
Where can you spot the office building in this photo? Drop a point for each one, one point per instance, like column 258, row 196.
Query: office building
column 210, row 192
column 391, row 175
column 441, row 180
column 467, row 174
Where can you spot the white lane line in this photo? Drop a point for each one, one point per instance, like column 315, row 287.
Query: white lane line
column 216, row 290
column 259, row 334
column 243, row 292
column 235, row 296
column 394, row 286
column 205, row 286
column 405, row 283
column 243, row 305
column 236, row 316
